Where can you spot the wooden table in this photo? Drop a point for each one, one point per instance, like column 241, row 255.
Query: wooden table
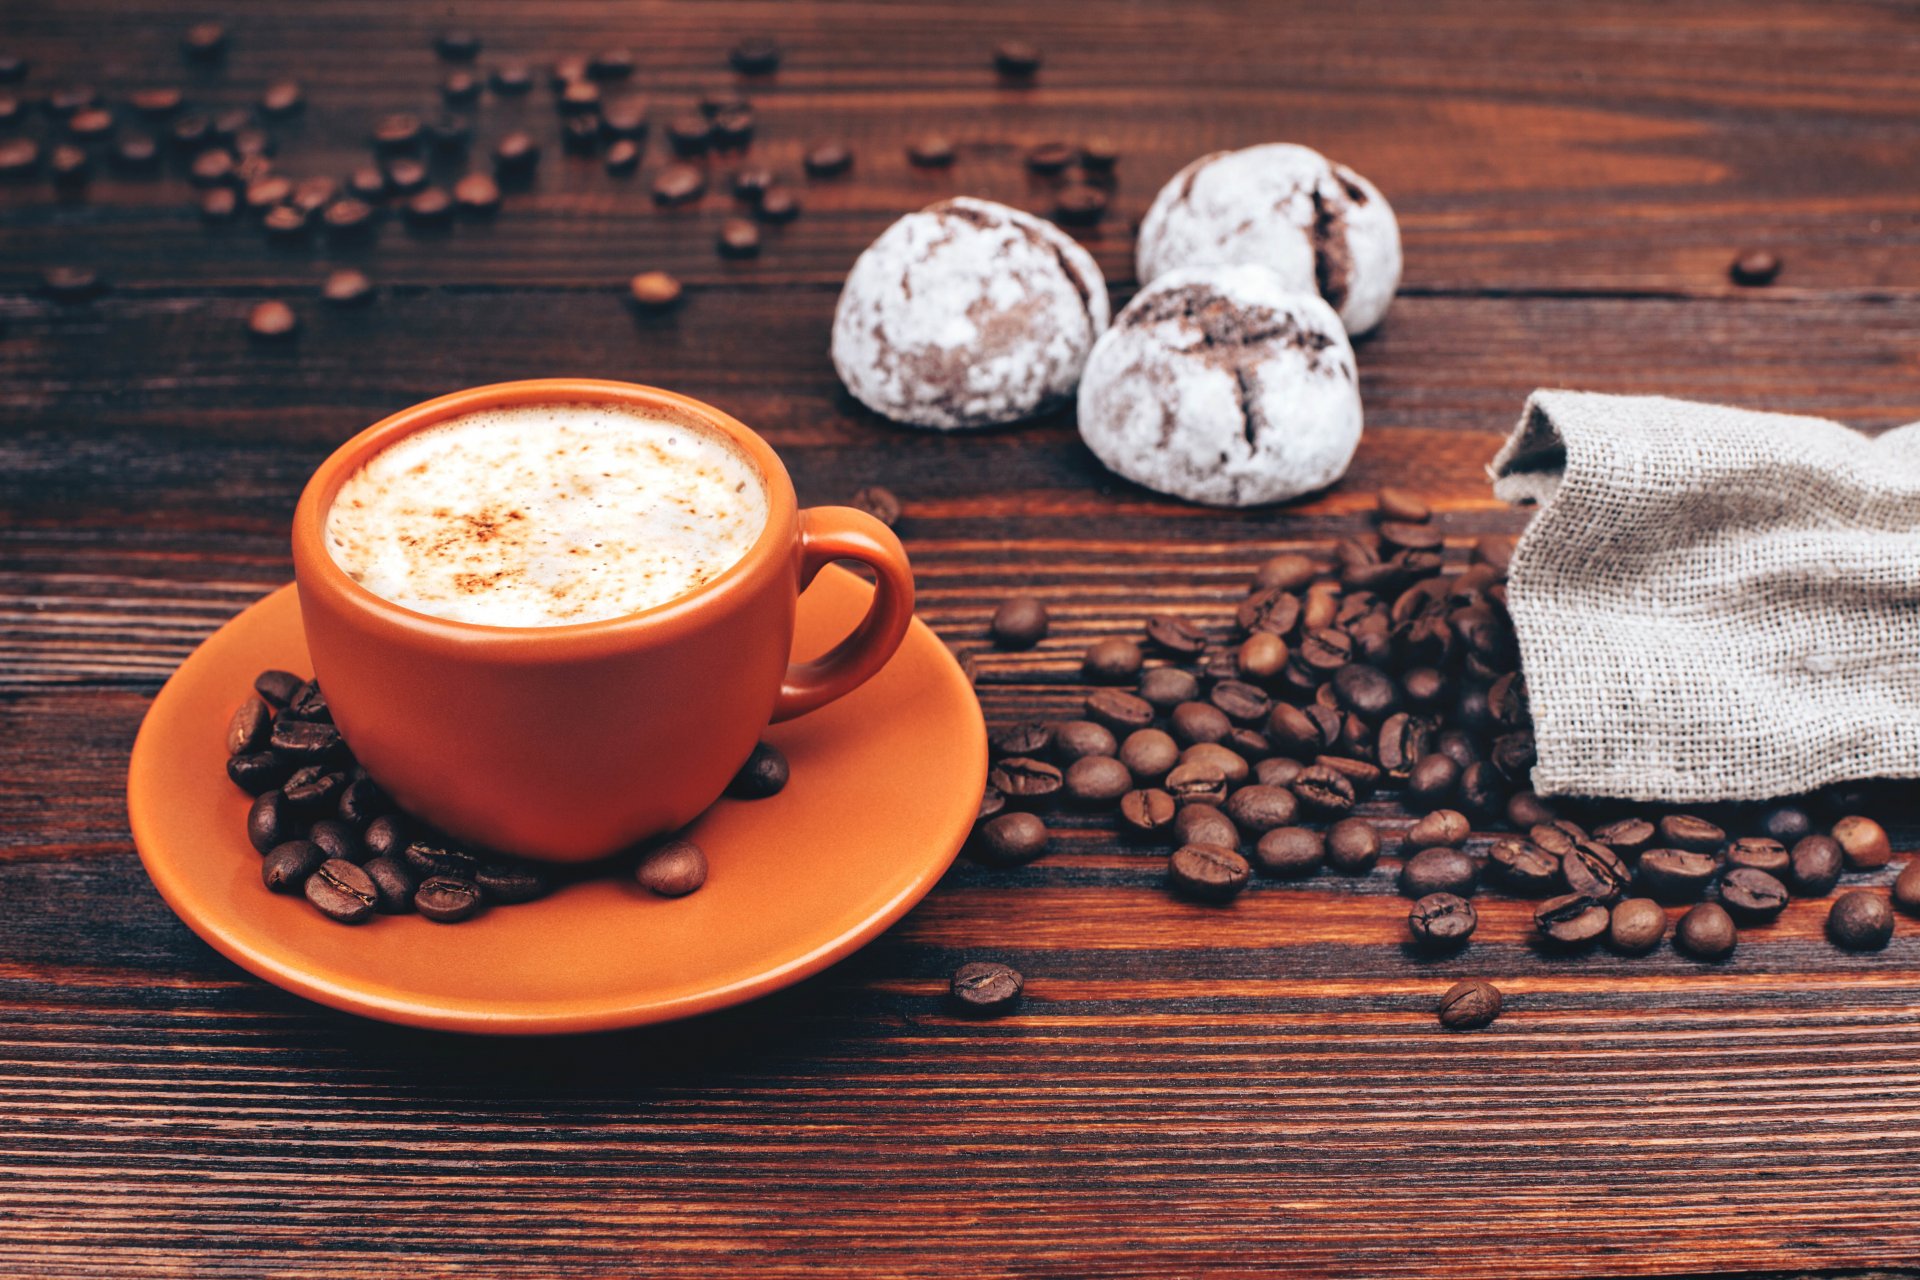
column 1248, row 1091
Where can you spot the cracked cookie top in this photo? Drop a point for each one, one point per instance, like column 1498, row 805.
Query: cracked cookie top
column 1223, row 386
column 966, row 314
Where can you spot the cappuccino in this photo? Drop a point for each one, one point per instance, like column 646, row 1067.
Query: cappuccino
column 545, row 515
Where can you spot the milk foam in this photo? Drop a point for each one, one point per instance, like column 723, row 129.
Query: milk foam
column 545, row 515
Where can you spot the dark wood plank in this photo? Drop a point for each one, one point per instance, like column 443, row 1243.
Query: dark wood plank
column 1252, row 1091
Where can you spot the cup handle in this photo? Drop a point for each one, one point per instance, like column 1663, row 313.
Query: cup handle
column 842, row 533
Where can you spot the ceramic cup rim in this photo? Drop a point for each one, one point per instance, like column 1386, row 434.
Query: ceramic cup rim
column 315, row 569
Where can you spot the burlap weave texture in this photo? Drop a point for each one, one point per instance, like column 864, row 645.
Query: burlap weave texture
column 1713, row 603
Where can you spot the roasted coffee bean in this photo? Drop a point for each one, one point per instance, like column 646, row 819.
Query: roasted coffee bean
column 282, row 98
column 1400, row 505
column 579, row 98
column 211, row 168
column 1203, row 824
column 1149, row 754
column 1249, row 743
column 1207, row 872
column 1433, row 782
column 1148, row 810
column 457, row 45
column 273, row 321
column 393, row 886
column 1676, row 875
column 1193, row 722
column 1272, row 610
column 991, row 803
column 1049, row 158
column 1439, row 870
column 70, row 166
column 1324, row 790
column 286, row 867
column 1021, row 778
column 1120, row 711
column 778, row 205
column 135, row 152
column 1016, row 59
column 879, row 502
column 1706, row 932
column 1365, row 690
column 1290, row 852
column 1197, row 783
column 271, row 821
column 1860, row 920
column 984, row 988
column 1524, row 867
column 682, row 183
column 515, row 155
column 1696, row 835
column 733, row 128
column 346, row 287
column 1458, row 746
column 219, row 205
column 1010, row 839
column 1637, row 925
column 1077, row 739
column 1626, row 837
column 673, row 870
column 1754, row 267
column 204, row 41
column 1258, row 809
column 511, row 79
column 1425, row 687
column 256, row 773
column 1293, row 732
column 305, row 741
column 1024, row 738
column 342, row 891
column 1443, row 828
column 476, row 195
column 510, row 882
column 1512, row 755
column 428, row 209
column 1097, row 780
column 1175, row 635
column 249, row 727
column 611, row 64
column 347, row 219
column 1469, row 1005
column 1261, row 656
column 1079, row 204
column 1786, row 823
column 1906, row 888
column 1363, row 776
column 625, row 121
column 430, row 856
column 1507, row 700
column 1288, row 571
column 313, row 789
column 1761, row 854
column 654, row 291
column 764, row 774
column 336, row 839
column 1220, row 756
column 1019, row 623
column 1863, row 842
column 1595, row 871
column 1752, row 896
column 1481, row 793
column 1113, row 660
column 1571, row 920
column 930, row 151
column 751, row 184
column 309, row 703
column 1527, row 809
column 689, row 135
column 445, row 899
column 1242, row 702
column 1326, row 649
column 1353, row 846
column 1402, row 742
column 1815, row 865
column 387, row 836
column 1279, row 771
column 827, row 160
column 755, row 56
column 1442, row 921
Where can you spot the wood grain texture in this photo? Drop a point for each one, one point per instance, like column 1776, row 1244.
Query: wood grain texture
column 1257, row 1090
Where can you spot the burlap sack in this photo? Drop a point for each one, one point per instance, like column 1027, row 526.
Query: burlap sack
column 1713, row 603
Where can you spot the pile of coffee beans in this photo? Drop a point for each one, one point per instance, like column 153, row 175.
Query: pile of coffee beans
column 324, row 828
column 1392, row 669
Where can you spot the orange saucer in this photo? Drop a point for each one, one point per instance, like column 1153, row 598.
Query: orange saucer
column 886, row 783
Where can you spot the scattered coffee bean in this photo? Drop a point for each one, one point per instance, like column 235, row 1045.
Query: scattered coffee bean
column 305, row 741
column 1433, row 782
column 314, row 789
column 387, row 837
column 337, row 839
column 511, row 79
column 1752, row 896
column 611, row 64
column 1626, row 837
column 755, row 56
column 1446, row 828
column 878, row 502
column 249, row 727
column 1033, row 738
column 273, row 321
column 393, row 886
column 1165, row 688
column 1442, row 921
column 1815, row 866
column 1071, row 739
column 516, row 154
column 1353, row 846
column 1016, row 59
column 1195, row 722
column 510, row 883
column 1112, row 660
column 1525, row 868
column 204, row 41
column 1754, row 267
column 256, row 773
column 1594, row 871
column 1676, row 875
column 1325, row 790
column 673, row 870
column 346, row 288
column 1290, row 852
column 1197, row 783
column 1099, row 154
column 1208, row 873
column 1860, row 920
column 429, row 209
column 828, row 160
column 1526, row 809
column 1906, row 888
column 1469, row 1005
column 1019, row 778
column 1203, row 824
column 444, row 899
column 342, row 892
column 361, row 802
column 1261, row 657
column 1706, row 932
column 764, row 774
column 1258, row 809
column 282, row 98
column 689, row 135
column 654, row 291
column 1696, row 835
column 1231, row 764
column 1011, row 839
column 1571, row 920
column 1122, row 712
column 931, row 151
column 1149, row 754
column 1050, row 157
column 1637, row 926
column 1097, row 780
column 1761, row 854
column 778, row 205
column 984, row 987
column 1863, row 842
column 435, row 856
column 71, row 284
column 477, row 194
column 457, row 45
column 1019, row 623
column 1439, row 870
column 1148, row 811
column 286, row 866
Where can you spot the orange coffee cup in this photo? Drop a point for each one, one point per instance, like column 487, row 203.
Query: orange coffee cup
column 570, row 743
